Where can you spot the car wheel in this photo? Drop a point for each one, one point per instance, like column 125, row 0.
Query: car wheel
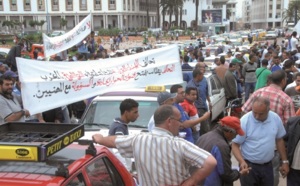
column 3, row 42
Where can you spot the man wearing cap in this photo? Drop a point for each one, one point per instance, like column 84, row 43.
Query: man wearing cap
column 11, row 109
column 263, row 132
column 248, row 72
column 163, row 98
column 217, row 143
column 2, row 69
column 161, row 157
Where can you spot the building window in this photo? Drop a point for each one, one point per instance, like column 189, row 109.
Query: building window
column 27, row 6
column 1, row 5
column 55, row 5
column 83, row 4
column 112, row 5
column 97, row 5
column 69, row 5
column 13, row 5
column 41, row 5
column 128, row 4
column 133, row 5
column 270, row 15
column 278, row 7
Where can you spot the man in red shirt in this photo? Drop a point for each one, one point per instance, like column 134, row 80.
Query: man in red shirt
column 191, row 109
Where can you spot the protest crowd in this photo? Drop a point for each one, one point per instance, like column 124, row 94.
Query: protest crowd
column 265, row 140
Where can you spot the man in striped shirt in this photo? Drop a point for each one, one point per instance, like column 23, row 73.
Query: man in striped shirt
column 161, row 157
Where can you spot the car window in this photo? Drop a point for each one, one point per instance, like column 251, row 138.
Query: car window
column 77, row 181
column 213, row 84
column 102, row 172
column 104, row 112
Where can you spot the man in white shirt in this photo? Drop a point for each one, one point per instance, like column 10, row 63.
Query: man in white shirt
column 294, row 41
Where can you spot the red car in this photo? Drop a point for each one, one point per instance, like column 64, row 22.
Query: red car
column 58, row 162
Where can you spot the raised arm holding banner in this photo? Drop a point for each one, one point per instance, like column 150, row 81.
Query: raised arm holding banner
column 48, row 85
column 54, row 45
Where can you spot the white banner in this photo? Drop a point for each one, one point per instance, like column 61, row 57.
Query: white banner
column 54, row 45
column 48, row 85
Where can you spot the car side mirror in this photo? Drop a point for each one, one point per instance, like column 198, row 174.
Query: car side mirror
column 216, row 92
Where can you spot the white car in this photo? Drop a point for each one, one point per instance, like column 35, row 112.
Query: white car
column 271, row 35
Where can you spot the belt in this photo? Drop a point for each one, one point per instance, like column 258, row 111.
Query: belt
column 259, row 164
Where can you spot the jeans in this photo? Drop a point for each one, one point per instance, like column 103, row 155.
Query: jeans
column 249, row 88
column 196, row 135
column 205, row 127
column 293, row 177
column 259, row 175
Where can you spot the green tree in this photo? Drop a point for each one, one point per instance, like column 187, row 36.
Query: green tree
column 164, row 7
column 292, row 13
column 41, row 23
column 178, row 4
column 32, row 23
column 63, row 22
column 228, row 13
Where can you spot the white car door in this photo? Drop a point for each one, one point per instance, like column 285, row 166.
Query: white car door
column 217, row 96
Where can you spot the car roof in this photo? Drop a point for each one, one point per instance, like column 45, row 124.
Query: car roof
column 42, row 173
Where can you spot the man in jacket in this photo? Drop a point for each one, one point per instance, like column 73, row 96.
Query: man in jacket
column 293, row 151
column 230, row 84
column 217, row 143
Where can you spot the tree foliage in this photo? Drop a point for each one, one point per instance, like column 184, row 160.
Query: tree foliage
column 289, row 14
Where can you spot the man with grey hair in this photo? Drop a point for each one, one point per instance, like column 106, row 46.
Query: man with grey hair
column 155, row 153
column 163, row 98
column 263, row 132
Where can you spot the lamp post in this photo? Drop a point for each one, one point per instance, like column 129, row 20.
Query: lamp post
column 47, row 17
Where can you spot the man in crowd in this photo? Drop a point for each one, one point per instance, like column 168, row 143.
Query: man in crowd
column 281, row 104
column 263, row 131
column 217, row 143
column 2, row 69
column 185, row 119
column 230, row 84
column 200, row 82
column 11, row 109
column 262, row 74
column 221, row 69
column 163, row 98
column 294, row 41
column 248, row 72
column 275, row 64
column 191, row 110
column 129, row 113
column 293, row 151
column 156, row 152
column 293, row 92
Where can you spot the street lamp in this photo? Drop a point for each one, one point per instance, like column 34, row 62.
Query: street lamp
column 47, row 17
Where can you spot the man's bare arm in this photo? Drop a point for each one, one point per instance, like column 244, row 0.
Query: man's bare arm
column 108, row 141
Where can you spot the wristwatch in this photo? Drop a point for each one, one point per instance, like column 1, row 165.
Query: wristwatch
column 285, row 161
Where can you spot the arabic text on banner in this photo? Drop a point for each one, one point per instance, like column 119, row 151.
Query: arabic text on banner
column 48, row 85
column 54, row 45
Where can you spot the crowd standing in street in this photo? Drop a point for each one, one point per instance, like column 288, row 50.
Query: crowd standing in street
column 161, row 157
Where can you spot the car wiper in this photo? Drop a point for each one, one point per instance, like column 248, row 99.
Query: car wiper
column 97, row 124
column 136, row 126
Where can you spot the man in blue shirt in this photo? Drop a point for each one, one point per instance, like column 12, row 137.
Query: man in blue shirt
column 200, row 82
column 263, row 132
column 186, row 122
